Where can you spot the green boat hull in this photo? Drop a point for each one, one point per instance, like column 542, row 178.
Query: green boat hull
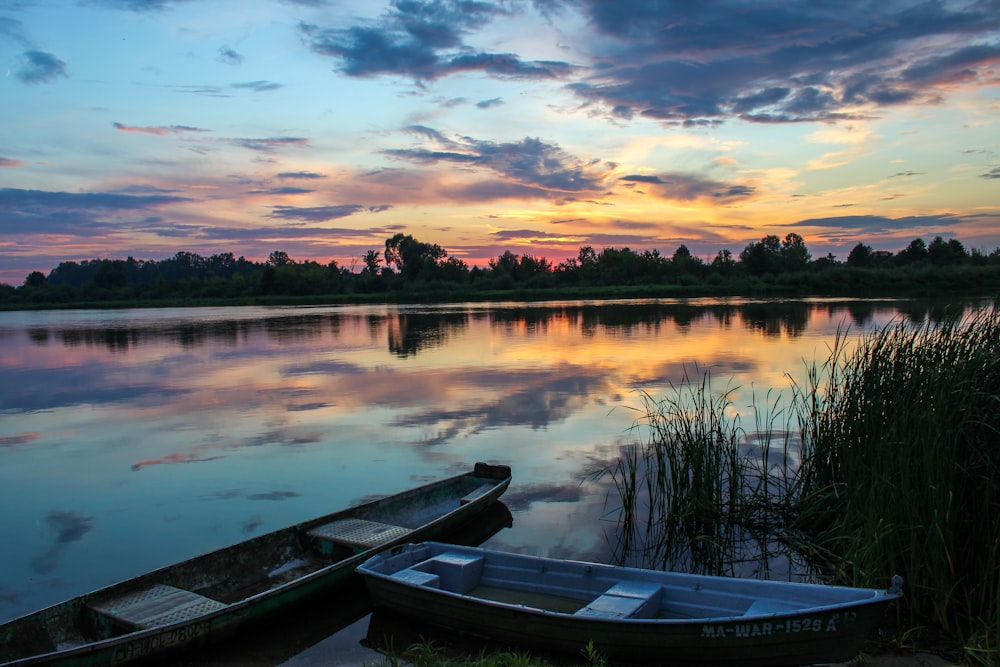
column 224, row 592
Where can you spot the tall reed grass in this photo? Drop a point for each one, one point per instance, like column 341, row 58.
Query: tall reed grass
column 901, row 469
column 887, row 461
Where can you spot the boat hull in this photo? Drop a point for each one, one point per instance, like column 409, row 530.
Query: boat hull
column 432, row 511
column 827, row 633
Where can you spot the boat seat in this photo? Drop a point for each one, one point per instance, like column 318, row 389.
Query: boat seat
column 156, row 606
column 626, row 599
column 476, row 493
column 418, row 578
column 359, row 533
column 459, row 572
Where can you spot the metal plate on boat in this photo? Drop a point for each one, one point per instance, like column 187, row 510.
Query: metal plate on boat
column 156, row 606
column 360, row 532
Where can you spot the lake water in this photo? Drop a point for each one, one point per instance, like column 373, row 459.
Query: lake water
column 133, row 439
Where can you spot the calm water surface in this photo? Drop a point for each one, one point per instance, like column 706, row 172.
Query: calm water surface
column 134, row 439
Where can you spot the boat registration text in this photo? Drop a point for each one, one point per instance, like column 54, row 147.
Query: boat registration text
column 831, row 623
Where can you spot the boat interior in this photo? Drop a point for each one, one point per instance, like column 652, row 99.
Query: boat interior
column 592, row 590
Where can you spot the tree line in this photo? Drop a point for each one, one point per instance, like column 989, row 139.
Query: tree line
column 408, row 266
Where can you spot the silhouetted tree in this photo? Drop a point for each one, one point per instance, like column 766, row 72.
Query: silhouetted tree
column 36, row 279
column 915, row 252
column 763, row 257
column 112, row 274
column 373, row 260
column 794, row 254
column 946, row 253
column 279, row 258
column 724, row 262
column 412, row 257
column 860, row 256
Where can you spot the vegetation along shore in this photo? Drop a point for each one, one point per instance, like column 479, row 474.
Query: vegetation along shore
column 897, row 438
column 408, row 270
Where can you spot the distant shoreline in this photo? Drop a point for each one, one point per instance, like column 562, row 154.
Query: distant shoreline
column 599, row 293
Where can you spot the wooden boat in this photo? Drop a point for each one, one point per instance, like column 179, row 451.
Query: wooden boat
column 212, row 596
column 629, row 614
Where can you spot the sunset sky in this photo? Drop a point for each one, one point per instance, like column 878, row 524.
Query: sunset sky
column 323, row 127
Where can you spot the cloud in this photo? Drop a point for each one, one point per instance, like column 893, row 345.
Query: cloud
column 11, row 441
column 490, row 103
column 282, row 191
column 40, row 67
column 685, row 63
column 229, row 57
column 158, row 130
column 689, row 187
column 992, row 173
column 10, row 162
column 424, row 41
column 323, row 213
column 270, row 144
column 258, row 86
column 41, row 211
column 878, row 223
column 307, row 175
column 14, row 30
column 138, row 5
column 530, row 163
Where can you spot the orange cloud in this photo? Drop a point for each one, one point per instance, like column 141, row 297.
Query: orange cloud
column 158, row 130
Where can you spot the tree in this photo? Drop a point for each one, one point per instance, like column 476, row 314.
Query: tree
column 373, row 260
column 112, row 274
column 860, row 256
column 412, row 257
column 763, row 257
column 915, row 252
column 279, row 258
column 794, row 254
column 508, row 263
column 724, row 262
column 453, row 270
column 35, row 279
column 946, row 253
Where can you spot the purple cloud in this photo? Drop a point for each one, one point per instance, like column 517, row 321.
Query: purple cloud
column 323, row 213
column 270, row 144
column 530, row 163
column 689, row 187
column 788, row 62
column 305, row 175
column 424, row 41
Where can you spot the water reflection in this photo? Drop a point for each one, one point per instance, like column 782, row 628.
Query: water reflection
column 410, row 332
column 166, row 433
column 64, row 527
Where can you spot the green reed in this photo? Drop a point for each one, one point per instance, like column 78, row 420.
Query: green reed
column 898, row 440
column 901, row 469
column 700, row 490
